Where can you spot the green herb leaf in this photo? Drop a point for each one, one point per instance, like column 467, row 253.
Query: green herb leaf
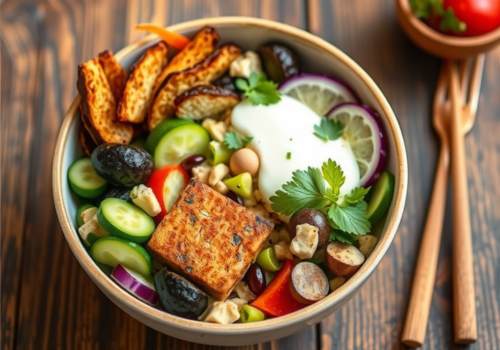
column 288, row 155
column 450, row 22
column 305, row 190
column 434, row 9
column 342, row 237
column 356, row 195
column 351, row 219
column 308, row 189
column 234, row 141
column 259, row 90
column 334, row 176
column 328, row 129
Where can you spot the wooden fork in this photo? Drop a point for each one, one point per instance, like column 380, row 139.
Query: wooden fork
column 425, row 271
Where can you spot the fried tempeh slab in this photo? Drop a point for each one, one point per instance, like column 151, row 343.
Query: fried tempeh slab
column 203, row 73
column 99, row 105
column 210, row 239
column 117, row 76
column 138, row 91
column 200, row 47
column 204, row 101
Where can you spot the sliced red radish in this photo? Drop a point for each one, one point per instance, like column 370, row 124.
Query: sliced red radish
column 167, row 184
column 319, row 92
column 135, row 284
column 364, row 130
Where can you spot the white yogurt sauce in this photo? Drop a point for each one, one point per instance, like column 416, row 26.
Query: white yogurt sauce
column 287, row 127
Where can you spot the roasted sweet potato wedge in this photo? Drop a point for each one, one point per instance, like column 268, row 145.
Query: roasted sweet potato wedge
column 203, row 73
column 138, row 91
column 117, row 76
column 204, row 101
column 99, row 105
column 200, row 47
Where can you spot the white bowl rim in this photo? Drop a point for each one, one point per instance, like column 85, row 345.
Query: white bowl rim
column 157, row 316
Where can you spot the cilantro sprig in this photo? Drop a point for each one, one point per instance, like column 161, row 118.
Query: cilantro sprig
column 235, row 141
column 328, row 129
column 430, row 9
column 258, row 90
column 320, row 189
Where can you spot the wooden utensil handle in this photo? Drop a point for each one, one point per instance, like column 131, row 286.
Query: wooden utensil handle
column 464, row 308
column 419, row 305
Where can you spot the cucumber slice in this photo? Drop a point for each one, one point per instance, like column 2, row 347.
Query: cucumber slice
column 122, row 219
column 161, row 129
column 112, row 251
column 79, row 211
column 180, row 143
column 84, row 180
column 381, row 196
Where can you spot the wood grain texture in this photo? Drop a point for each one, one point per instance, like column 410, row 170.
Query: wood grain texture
column 369, row 33
column 47, row 300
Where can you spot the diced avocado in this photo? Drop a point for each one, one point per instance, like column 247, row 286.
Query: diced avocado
column 241, row 184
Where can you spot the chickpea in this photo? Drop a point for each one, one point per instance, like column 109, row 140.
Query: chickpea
column 244, row 160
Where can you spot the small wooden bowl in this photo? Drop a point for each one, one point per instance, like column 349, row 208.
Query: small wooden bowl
column 316, row 55
column 439, row 44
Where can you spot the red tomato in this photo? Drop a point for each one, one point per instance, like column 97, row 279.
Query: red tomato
column 480, row 16
column 167, row 184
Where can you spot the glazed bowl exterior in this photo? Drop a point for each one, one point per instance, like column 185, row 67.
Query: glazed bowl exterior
column 439, row 44
column 316, row 55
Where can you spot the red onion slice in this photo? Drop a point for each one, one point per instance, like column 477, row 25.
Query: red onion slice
column 135, row 284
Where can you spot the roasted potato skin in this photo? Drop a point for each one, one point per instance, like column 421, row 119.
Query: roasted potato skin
column 117, row 76
column 203, row 73
column 99, row 105
column 204, row 101
column 200, row 47
column 138, row 92
column 85, row 141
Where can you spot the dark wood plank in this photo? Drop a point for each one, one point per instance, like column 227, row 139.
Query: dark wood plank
column 19, row 60
column 50, row 301
column 369, row 33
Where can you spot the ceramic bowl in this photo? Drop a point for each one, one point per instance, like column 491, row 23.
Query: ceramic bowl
column 439, row 44
column 316, row 55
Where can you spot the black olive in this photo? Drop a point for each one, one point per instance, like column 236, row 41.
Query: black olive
column 179, row 296
column 279, row 61
column 226, row 82
column 118, row 192
column 122, row 165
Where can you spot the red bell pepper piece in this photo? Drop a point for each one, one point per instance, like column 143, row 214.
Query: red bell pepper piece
column 277, row 299
column 173, row 39
column 167, row 184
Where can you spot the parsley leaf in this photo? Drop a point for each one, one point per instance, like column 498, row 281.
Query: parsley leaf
column 342, row 237
column 356, row 195
column 234, row 141
column 350, row 219
column 259, row 90
column 434, row 9
column 320, row 189
column 305, row 190
column 328, row 129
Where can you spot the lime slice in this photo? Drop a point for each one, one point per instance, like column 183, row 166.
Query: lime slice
column 320, row 93
column 364, row 132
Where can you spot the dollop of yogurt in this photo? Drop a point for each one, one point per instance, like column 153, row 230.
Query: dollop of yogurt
column 283, row 136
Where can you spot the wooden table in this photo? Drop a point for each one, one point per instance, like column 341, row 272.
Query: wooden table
column 49, row 302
